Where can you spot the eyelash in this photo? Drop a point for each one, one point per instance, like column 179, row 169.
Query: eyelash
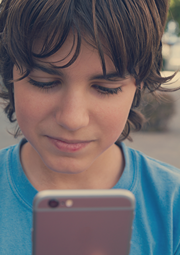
column 106, row 91
column 50, row 85
column 44, row 85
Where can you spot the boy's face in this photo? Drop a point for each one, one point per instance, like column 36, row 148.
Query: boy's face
column 73, row 117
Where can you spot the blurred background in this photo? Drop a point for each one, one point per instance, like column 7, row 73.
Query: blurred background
column 160, row 136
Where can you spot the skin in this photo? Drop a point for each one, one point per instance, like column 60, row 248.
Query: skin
column 71, row 128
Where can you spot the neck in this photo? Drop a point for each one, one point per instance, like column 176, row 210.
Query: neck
column 104, row 172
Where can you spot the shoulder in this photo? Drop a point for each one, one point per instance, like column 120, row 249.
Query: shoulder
column 9, row 157
column 150, row 174
column 150, row 166
column 156, row 186
column 4, row 153
column 5, row 161
column 142, row 171
column 11, row 150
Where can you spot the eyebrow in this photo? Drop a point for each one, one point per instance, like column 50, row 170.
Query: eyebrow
column 56, row 71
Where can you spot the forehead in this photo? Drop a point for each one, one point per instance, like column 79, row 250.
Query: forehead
column 67, row 48
column 88, row 55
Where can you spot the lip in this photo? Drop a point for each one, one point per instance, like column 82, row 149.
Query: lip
column 69, row 145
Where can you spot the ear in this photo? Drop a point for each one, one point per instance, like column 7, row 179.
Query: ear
column 142, row 85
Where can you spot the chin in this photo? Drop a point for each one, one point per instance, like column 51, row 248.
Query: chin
column 62, row 168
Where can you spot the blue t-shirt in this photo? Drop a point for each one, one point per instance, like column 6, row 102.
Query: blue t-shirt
column 156, row 186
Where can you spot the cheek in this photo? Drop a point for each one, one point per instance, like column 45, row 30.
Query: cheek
column 114, row 118
column 25, row 113
column 29, row 110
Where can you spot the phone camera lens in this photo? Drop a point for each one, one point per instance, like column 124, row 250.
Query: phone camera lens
column 53, row 203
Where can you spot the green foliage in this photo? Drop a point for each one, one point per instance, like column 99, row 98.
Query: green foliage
column 157, row 111
column 174, row 11
column 174, row 2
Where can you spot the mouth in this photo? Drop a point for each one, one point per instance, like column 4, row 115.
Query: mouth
column 66, row 145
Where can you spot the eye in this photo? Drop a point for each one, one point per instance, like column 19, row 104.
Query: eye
column 44, row 85
column 105, row 90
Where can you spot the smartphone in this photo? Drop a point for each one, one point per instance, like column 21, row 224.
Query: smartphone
column 82, row 222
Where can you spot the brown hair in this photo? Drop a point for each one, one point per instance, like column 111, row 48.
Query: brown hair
column 131, row 30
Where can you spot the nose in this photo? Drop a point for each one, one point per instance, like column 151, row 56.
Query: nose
column 72, row 113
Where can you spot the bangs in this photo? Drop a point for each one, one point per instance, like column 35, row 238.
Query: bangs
column 128, row 31
column 130, row 34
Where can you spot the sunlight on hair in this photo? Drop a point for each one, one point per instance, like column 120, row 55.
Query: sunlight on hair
column 172, row 84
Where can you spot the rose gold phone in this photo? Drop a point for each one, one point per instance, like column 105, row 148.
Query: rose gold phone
column 82, row 222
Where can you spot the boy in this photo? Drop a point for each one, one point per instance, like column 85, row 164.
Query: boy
column 73, row 72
